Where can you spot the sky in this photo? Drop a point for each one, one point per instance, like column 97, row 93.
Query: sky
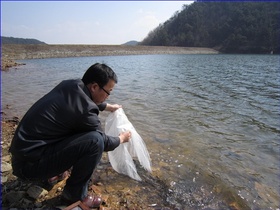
column 85, row 22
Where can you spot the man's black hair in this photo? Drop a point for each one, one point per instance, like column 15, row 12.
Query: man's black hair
column 99, row 73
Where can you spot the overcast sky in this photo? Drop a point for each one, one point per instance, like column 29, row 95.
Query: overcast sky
column 85, row 22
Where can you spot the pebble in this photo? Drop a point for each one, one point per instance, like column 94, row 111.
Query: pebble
column 4, row 179
column 38, row 204
column 5, row 166
column 6, row 158
column 26, row 202
column 152, row 205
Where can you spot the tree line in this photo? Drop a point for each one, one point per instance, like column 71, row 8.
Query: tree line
column 230, row 27
column 13, row 40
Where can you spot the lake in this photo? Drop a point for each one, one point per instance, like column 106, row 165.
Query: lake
column 210, row 122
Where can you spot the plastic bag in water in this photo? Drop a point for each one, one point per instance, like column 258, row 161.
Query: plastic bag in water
column 121, row 158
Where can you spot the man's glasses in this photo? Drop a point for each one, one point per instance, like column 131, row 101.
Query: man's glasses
column 104, row 90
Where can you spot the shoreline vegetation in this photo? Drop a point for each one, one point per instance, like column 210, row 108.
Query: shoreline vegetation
column 12, row 52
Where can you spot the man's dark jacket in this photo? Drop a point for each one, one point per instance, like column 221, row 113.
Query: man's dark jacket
column 65, row 111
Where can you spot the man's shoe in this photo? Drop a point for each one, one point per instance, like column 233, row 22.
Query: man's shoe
column 92, row 201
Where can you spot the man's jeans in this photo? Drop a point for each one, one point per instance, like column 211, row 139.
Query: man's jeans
column 82, row 152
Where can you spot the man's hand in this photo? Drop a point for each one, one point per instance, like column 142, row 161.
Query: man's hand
column 125, row 136
column 112, row 107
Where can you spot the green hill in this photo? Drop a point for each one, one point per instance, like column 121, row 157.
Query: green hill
column 12, row 40
column 132, row 43
column 230, row 27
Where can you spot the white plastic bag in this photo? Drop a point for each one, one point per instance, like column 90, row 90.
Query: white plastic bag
column 121, row 158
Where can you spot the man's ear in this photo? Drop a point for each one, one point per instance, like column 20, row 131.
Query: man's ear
column 92, row 86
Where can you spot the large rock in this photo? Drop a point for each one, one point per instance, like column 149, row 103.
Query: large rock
column 14, row 196
column 36, row 192
column 5, row 166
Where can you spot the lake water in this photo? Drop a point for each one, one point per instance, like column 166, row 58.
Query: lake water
column 211, row 122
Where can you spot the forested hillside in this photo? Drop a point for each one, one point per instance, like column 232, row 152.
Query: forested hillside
column 230, row 27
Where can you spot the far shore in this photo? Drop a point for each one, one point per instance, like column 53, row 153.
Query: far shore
column 13, row 52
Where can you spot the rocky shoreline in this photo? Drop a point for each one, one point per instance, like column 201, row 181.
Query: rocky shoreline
column 7, row 63
column 117, row 191
column 12, row 52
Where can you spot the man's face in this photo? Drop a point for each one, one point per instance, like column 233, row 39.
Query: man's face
column 100, row 94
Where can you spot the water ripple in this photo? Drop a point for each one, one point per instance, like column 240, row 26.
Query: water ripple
column 218, row 112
